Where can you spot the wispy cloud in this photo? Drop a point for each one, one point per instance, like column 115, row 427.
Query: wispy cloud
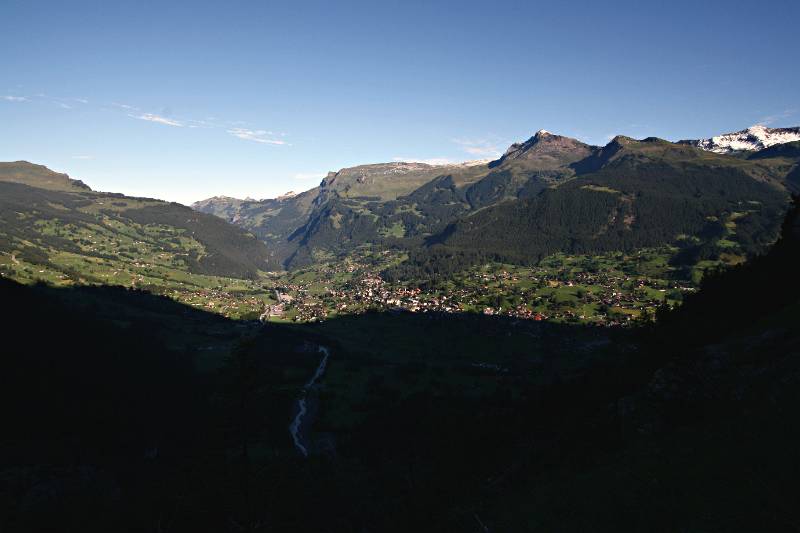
column 61, row 101
column 83, row 157
column 777, row 117
column 259, row 136
column 150, row 117
column 484, row 148
column 207, row 124
column 239, row 128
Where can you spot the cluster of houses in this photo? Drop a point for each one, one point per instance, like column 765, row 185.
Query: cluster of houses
column 614, row 299
column 218, row 301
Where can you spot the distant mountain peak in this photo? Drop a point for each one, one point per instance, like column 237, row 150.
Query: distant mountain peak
column 546, row 149
column 223, row 197
column 622, row 139
column 754, row 138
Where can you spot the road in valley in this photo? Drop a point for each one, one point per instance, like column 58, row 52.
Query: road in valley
column 296, row 427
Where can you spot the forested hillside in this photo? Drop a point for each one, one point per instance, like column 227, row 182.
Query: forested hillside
column 637, row 199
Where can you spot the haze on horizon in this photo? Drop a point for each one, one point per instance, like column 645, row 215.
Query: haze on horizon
column 190, row 100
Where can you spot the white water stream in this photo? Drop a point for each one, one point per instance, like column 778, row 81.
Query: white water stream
column 302, row 408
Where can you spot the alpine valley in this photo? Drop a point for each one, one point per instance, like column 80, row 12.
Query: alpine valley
column 566, row 338
column 568, row 231
column 468, row 325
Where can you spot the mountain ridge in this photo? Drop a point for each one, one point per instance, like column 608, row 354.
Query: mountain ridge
column 768, row 137
column 412, row 205
column 39, row 176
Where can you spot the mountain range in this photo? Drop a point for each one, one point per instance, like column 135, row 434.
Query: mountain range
column 549, row 193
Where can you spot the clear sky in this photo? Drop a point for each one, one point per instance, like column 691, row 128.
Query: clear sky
column 185, row 100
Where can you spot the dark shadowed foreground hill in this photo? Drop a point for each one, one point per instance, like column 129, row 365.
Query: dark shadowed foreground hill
column 115, row 419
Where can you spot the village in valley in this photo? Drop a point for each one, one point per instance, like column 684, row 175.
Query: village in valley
column 613, row 289
column 102, row 246
column 609, row 290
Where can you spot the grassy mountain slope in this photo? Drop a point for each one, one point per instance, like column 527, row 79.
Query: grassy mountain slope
column 39, row 222
column 76, row 236
column 39, row 176
column 388, row 181
column 785, row 158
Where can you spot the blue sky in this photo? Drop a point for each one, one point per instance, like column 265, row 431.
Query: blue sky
column 185, row 100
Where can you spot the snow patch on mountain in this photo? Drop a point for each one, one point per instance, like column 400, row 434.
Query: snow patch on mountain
column 752, row 139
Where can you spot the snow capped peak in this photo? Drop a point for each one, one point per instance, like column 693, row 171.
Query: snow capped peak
column 541, row 133
column 754, row 138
